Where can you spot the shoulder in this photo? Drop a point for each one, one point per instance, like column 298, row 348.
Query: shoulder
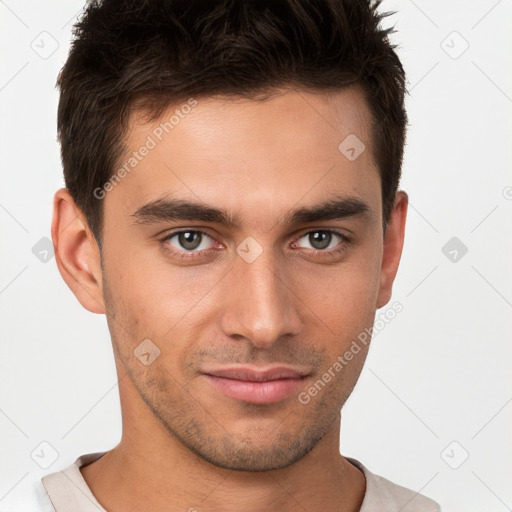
column 382, row 495
column 68, row 491
column 34, row 498
column 42, row 498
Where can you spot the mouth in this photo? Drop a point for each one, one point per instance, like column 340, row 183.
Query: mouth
column 256, row 385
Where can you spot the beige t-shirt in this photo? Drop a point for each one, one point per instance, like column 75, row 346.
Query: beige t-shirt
column 67, row 491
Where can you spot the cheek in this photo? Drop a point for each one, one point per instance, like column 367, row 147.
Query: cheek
column 159, row 301
column 344, row 297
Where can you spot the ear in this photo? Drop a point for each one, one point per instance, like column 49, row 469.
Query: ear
column 76, row 252
column 393, row 244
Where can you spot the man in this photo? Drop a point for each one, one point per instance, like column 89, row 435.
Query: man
column 232, row 207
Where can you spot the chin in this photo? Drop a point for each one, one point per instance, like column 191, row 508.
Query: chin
column 249, row 455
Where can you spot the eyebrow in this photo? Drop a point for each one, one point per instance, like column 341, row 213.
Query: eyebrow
column 161, row 210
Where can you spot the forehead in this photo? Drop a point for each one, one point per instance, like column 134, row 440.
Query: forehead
column 255, row 158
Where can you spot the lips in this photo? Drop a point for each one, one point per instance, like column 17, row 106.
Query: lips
column 256, row 385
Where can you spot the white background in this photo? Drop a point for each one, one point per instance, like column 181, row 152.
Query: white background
column 439, row 373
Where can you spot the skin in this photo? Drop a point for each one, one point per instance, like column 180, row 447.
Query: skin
column 185, row 445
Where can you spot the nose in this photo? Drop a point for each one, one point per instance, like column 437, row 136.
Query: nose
column 262, row 306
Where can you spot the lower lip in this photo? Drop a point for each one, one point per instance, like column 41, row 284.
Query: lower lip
column 257, row 392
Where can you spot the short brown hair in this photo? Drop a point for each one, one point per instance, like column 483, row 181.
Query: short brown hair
column 152, row 53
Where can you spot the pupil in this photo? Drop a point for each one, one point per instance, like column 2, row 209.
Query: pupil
column 187, row 241
column 320, row 239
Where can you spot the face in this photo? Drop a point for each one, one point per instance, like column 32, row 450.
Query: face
column 242, row 255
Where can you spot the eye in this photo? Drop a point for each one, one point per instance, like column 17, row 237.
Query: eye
column 323, row 239
column 189, row 241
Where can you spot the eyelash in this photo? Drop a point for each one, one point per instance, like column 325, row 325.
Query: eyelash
column 345, row 240
column 185, row 254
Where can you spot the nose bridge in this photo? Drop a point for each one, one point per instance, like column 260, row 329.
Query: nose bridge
column 262, row 306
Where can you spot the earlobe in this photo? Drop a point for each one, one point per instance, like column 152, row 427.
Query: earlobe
column 77, row 253
column 393, row 245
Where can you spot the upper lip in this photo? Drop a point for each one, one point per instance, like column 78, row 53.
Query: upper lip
column 254, row 374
